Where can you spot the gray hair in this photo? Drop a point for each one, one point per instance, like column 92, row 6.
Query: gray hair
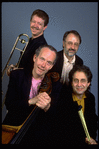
column 37, row 52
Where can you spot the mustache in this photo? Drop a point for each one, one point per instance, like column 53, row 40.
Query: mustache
column 34, row 27
column 71, row 49
column 80, row 87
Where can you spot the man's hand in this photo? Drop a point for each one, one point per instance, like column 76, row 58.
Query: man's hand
column 42, row 100
column 10, row 68
column 91, row 141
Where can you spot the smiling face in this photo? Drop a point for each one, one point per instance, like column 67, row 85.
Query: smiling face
column 80, row 83
column 43, row 62
column 37, row 26
column 71, row 45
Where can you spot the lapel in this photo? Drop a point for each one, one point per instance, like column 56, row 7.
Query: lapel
column 86, row 111
column 77, row 62
column 60, row 61
column 26, row 86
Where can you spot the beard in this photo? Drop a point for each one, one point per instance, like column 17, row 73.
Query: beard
column 70, row 52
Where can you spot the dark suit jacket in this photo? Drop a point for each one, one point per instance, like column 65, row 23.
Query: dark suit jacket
column 18, row 109
column 67, row 127
column 17, row 98
column 27, row 59
column 59, row 63
column 18, row 94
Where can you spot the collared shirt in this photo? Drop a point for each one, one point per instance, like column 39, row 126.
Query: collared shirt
column 67, row 66
column 79, row 101
column 34, row 87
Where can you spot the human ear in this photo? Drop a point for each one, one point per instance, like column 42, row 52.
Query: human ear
column 34, row 57
column 44, row 28
column 88, row 84
column 63, row 44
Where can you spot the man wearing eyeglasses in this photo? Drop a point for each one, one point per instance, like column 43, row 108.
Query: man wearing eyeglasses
column 67, row 57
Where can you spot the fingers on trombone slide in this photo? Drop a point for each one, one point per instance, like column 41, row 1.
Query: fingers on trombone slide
column 10, row 68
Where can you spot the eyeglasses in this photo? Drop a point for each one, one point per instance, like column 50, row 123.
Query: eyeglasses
column 71, row 43
column 75, row 80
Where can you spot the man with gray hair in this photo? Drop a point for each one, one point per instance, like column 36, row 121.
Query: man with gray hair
column 67, row 57
column 22, row 94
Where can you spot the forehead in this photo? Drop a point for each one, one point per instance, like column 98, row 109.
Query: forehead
column 79, row 75
column 72, row 37
column 37, row 18
column 47, row 53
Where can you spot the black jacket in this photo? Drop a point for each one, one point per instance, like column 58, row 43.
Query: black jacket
column 27, row 59
column 18, row 109
column 17, row 98
column 59, row 63
column 67, row 126
column 18, row 95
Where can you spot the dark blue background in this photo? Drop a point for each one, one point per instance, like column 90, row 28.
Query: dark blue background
column 64, row 16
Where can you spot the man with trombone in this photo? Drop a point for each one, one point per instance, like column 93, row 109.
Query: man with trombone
column 38, row 23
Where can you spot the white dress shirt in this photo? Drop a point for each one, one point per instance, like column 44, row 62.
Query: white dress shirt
column 67, row 66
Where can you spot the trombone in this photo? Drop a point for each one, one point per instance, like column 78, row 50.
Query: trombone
column 13, row 49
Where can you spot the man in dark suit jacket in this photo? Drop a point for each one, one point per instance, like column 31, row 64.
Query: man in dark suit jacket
column 22, row 94
column 67, row 58
column 67, row 128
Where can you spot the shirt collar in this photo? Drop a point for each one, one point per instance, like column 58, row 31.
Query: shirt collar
column 76, row 99
column 66, row 59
